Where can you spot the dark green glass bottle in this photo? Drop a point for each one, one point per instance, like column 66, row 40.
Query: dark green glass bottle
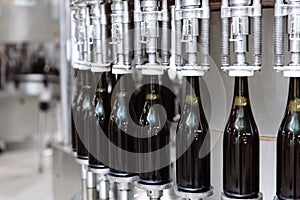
column 119, row 124
column 83, row 108
column 241, row 147
column 99, row 120
column 73, row 109
column 288, row 147
column 193, row 171
column 154, row 137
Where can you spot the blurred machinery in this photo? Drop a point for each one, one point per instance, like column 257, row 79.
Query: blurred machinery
column 29, row 68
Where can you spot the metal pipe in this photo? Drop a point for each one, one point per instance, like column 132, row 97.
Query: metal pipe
column 124, row 191
column 137, row 32
column 178, row 50
column 225, row 47
column 127, row 39
column 279, row 41
column 64, row 75
column 257, row 41
column 84, row 181
column 104, row 46
column 103, row 187
column 205, row 42
column 165, row 39
column 91, row 186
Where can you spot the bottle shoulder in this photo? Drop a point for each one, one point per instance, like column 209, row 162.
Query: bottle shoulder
column 241, row 121
column 290, row 124
column 193, row 118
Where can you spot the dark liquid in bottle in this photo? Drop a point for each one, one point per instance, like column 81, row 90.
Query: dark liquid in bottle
column 74, row 132
column 193, row 167
column 83, row 108
column 288, row 147
column 241, row 147
column 119, row 124
column 99, row 120
column 154, row 138
column 73, row 111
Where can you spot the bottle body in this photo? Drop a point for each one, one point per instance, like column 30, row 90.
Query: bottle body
column 155, row 136
column 99, row 120
column 241, row 147
column 288, row 147
column 73, row 111
column 83, row 108
column 121, row 141
column 193, row 166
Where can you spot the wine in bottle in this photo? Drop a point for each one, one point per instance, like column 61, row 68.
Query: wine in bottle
column 119, row 124
column 193, row 169
column 155, row 135
column 241, row 147
column 99, row 120
column 83, row 107
column 288, row 147
column 73, row 110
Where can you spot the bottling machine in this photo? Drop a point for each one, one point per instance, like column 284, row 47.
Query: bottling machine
column 194, row 37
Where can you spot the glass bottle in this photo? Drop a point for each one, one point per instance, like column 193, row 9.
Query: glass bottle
column 241, row 147
column 99, row 120
column 193, row 169
column 288, row 147
column 119, row 124
column 153, row 138
column 83, row 107
column 73, row 109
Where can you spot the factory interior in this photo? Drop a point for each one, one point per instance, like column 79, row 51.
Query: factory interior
column 150, row 99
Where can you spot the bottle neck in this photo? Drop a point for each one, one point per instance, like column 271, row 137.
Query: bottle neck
column 102, row 84
column 86, row 77
column 241, row 93
column 294, row 95
column 192, row 91
column 122, row 80
column 153, row 91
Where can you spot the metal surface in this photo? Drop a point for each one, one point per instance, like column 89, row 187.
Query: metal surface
column 260, row 197
column 125, row 186
column 64, row 74
column 239, row 13
column 66, row 174
column 192, row 26
column 192, row 195
column 154, row 191
column 287, row 11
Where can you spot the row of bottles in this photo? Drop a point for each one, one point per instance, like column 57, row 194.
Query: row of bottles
column 240, row 144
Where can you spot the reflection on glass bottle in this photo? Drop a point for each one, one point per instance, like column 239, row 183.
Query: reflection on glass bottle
column 241, row 147
column 99, row 120
column 155, row 135
column 119, row 124
column 73, row 109
column 83, row 107
column 288, row 147
column 192, row 168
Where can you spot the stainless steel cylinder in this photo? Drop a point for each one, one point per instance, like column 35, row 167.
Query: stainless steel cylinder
column 257, row 41
column 239, row 2
column 278, row 41
column 205, row 42
column 225, row 47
